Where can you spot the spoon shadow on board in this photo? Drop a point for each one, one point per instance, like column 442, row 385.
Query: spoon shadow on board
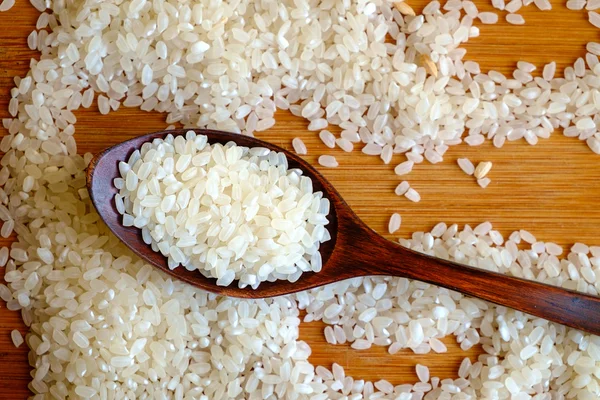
column 354, row 250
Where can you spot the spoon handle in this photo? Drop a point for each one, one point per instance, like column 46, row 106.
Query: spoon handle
column 379, row 256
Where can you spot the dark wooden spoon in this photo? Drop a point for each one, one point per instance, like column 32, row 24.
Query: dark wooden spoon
column 354, row 249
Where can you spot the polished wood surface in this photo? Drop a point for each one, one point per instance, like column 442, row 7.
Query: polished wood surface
column 551, row 189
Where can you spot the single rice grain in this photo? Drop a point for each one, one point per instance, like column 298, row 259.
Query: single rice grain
column 299, row 146
column 515, row 19
column 394, row 224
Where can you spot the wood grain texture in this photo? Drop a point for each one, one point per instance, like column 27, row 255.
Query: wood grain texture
column 551, row 189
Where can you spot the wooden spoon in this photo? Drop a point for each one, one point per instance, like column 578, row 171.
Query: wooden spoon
column 354, row 249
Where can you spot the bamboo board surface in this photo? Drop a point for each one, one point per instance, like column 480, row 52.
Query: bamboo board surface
column 551, row 189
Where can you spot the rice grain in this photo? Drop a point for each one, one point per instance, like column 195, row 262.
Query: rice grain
column 328, row 161
column 515, row 19
column 299, row 146
column 412, row 195
column 6, row 5
column 483, row 168
column 594, row 18
column 394, row 224
column 466, row 165
column 16, row 338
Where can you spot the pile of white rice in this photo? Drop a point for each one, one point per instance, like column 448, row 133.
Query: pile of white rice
column 105, row 325
column 228, row 211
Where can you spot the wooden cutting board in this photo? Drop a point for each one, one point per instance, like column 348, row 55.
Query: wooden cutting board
column 551, row 189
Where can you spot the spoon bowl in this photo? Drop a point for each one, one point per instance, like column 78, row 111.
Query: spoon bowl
column 104, row 167
column 354, row 250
